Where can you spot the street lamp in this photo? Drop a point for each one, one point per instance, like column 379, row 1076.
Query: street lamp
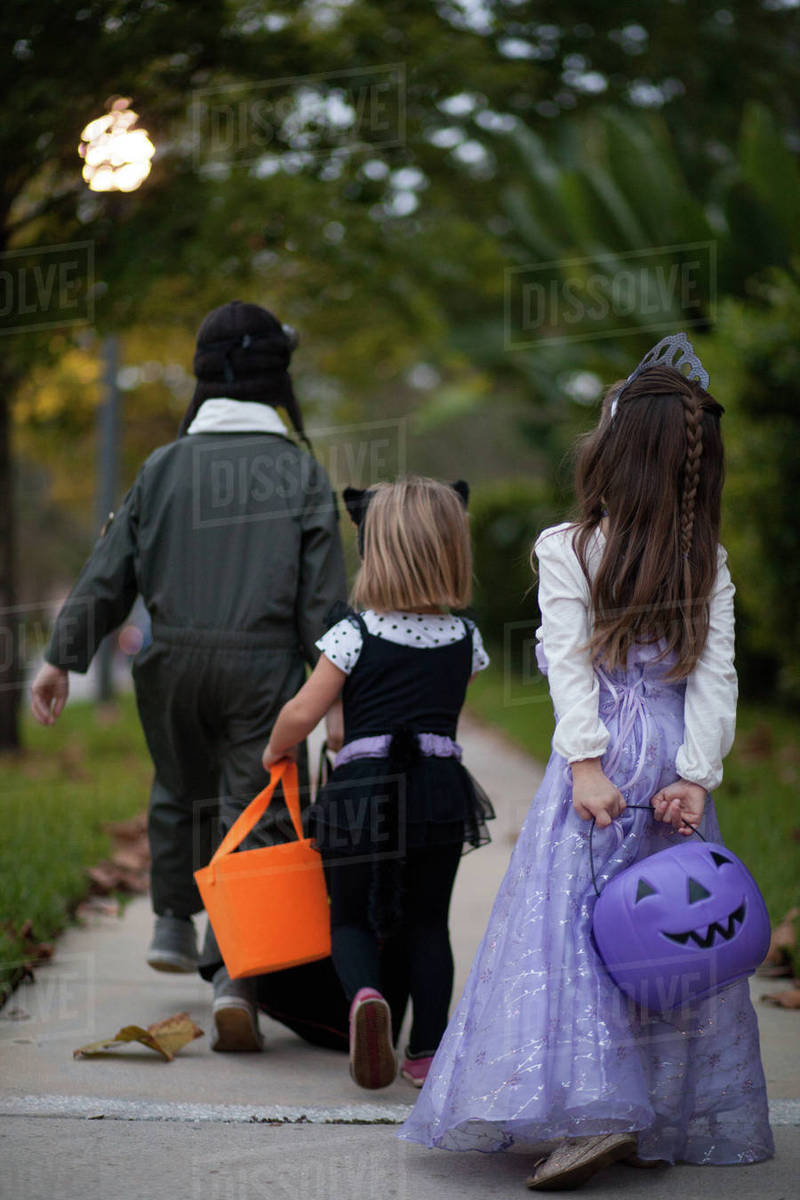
column 116, row 158
column 116, row 154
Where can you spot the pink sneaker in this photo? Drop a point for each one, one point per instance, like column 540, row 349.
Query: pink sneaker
column 372, row 1060
column 415, row 1070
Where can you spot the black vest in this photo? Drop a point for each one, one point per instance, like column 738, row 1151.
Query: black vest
column 394, row 686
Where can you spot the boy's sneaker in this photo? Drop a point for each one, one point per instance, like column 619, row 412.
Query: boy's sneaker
column 174, row 945
column 415, row 1068
column 235, row 1014
column 372, row 1059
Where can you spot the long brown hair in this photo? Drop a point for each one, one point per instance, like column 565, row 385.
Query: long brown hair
column 655, row 469
column 417, row 550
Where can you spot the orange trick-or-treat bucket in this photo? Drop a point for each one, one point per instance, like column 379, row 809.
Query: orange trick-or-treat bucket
column 268, row 907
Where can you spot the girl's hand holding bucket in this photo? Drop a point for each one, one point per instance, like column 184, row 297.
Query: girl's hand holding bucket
column 593, row 795
column 679, row 803
column 269, row 758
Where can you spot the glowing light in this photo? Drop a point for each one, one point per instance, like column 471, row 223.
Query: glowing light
column 117, row 156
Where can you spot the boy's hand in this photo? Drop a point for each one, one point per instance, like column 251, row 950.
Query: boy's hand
column 593, row 795
column 49, row 694
column 679, row 802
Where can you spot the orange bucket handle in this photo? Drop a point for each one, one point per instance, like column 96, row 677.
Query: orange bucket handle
column 285, row 769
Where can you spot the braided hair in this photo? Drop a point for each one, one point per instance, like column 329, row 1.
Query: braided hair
column 654, row 469
column 691, row 471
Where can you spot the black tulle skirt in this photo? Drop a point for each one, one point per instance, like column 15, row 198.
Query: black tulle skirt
column 382, row 806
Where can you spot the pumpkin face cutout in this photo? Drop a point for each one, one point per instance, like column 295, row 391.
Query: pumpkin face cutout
column 681, row 924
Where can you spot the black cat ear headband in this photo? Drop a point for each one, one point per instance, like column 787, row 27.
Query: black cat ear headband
column 357, row 500
column 673, row 351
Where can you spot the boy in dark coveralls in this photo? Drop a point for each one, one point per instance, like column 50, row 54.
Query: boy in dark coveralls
column 230, row 534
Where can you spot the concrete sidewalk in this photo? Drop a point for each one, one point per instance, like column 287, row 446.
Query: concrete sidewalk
column 289, row 1121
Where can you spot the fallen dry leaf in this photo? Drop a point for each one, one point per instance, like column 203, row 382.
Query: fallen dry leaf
column 127, row 831
column 131, row 1033
column 782, row 970
column 790, row 752
column 93, row 906
column 71, row 760
column 787, row 999
column 173, row 1033
column 110, row 877
column 29, row 950
column 129, row 860
column 785, row 933
column 104, row 876
column 782, row 940
column 129, row 867
column 758, row 743
column 166, row 1037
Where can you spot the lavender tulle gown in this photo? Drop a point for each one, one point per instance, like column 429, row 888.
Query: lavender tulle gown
column 542, row 1044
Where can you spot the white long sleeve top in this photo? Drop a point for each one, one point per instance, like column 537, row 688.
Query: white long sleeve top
column 711, row 688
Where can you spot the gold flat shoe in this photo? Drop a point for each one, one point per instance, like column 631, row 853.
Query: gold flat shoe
column 574, row 1162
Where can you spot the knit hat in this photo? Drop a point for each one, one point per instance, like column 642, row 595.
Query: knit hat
column 243, row 353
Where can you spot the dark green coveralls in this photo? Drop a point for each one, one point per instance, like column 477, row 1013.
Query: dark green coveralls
column 232, row 540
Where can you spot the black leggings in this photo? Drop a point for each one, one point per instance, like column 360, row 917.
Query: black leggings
column 417, row 960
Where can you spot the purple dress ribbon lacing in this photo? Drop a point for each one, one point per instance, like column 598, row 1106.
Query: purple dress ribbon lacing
column 629, row 704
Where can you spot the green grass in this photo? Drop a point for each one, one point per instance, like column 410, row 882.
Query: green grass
column 88, row 768
column 756, row 804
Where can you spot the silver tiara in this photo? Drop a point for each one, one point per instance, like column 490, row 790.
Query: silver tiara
column 673, row 351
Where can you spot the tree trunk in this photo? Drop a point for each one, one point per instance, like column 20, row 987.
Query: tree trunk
column 11, row 667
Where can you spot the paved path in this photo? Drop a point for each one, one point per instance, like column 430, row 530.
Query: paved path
column 288, row 1122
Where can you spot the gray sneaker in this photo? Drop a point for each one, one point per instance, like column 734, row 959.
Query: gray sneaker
column 235, row 1014
column 174, row 946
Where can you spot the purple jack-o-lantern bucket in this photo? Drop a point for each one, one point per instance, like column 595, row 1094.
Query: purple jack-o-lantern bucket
column 680, row 925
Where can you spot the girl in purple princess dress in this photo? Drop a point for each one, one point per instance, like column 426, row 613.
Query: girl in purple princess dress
column 637, row 642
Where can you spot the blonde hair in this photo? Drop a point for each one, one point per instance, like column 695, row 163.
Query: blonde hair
column 417, row 550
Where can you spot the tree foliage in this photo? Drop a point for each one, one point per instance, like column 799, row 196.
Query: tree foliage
column 512, row 135
column 754, row 360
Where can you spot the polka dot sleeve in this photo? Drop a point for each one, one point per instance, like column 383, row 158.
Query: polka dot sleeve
column 480, row 659
column 342, row 645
